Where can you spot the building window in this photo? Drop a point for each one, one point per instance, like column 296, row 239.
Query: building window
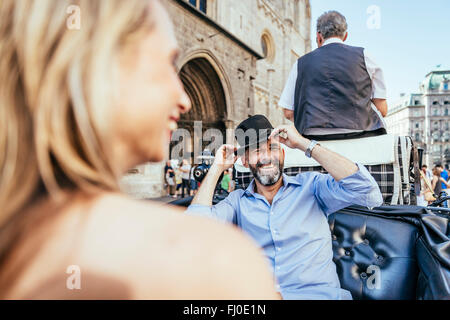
column 417, row 137
column 435, row 111
column 264, row 47
column 267, row 47
column 199, row 4
column 417, row 102
column 435, row 136
column 435, row 103
column 446, row 112
column 446, row 136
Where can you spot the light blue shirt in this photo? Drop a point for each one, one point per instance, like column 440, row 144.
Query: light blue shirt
column 294, row 230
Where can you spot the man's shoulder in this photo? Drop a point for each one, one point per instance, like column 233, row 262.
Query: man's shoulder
column 303, row 177
column 321, row 51
column 236, row 194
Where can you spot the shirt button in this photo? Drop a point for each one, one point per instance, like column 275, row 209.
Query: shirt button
column 278, row 248
column 278, row 286
column 278, row 267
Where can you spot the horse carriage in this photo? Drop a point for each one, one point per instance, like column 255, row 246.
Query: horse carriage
column 397, row 251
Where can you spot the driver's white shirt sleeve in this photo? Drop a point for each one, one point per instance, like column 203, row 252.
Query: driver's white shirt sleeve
column 377, row 77
column 287, row 97
column 374, row 71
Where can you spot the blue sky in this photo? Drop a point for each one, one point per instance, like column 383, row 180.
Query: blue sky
column 413, row 37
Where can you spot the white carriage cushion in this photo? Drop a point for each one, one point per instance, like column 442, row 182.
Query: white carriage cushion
column 366, row 151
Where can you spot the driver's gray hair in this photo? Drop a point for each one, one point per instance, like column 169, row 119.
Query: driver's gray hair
column 332, row 24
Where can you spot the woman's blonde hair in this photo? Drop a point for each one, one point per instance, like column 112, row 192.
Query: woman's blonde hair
column 436, row 171
column 56, row 81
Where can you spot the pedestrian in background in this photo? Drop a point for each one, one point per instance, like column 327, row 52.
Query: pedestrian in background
column 185, row 179
column 444, row 176
column 438, row 181
column 426, row 191
column 178, row 180
column 169, row 176
column 193, row 183
column 427, row 172
column 225, row 183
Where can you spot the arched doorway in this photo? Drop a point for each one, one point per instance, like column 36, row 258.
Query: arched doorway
column 209, row 107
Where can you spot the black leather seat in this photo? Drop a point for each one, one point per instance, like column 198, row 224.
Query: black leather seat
column 390, row 252
column 383, row 254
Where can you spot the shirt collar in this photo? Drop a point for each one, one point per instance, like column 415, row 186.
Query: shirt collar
column 332, row 40
column 287, row 180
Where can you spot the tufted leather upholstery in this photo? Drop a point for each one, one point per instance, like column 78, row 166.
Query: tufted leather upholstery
column 363, row 242
column 409, row 245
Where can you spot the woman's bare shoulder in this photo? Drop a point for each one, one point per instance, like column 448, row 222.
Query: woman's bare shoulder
column 163, row 253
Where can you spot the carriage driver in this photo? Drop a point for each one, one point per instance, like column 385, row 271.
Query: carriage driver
column 287, row 215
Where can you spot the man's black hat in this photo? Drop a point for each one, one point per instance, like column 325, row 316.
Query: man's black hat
column 252, row 131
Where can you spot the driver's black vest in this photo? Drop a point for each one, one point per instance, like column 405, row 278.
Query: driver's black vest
column 333, row 90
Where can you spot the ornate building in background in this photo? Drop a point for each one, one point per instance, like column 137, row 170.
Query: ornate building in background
column 235, row 59
column 425, row 116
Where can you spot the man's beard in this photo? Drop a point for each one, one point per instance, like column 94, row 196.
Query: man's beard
column 267, row 179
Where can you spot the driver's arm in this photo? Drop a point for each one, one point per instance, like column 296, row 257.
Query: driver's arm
column 381, row 105
column 289, row 114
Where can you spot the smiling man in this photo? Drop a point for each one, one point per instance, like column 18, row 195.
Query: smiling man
column 287, row 216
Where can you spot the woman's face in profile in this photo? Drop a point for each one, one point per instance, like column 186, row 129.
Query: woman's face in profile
column 151, row 95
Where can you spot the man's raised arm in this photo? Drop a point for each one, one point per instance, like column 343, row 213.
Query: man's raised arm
column 347, row 183
column 336, row 165
column 202, row 202
column 224, row 160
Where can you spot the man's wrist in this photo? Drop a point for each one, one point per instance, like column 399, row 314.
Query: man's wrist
column 215, row 170
column 303, row 144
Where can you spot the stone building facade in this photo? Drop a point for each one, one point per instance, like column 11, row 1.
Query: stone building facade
column 235, row 59
column 425, row 116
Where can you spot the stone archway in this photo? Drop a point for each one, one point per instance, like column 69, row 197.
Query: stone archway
column 204, row 87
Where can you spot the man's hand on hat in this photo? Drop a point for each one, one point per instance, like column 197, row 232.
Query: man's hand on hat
column 225, row 158
column 289, row 136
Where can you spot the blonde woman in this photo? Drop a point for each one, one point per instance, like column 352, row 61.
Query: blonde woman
column 78, row 107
